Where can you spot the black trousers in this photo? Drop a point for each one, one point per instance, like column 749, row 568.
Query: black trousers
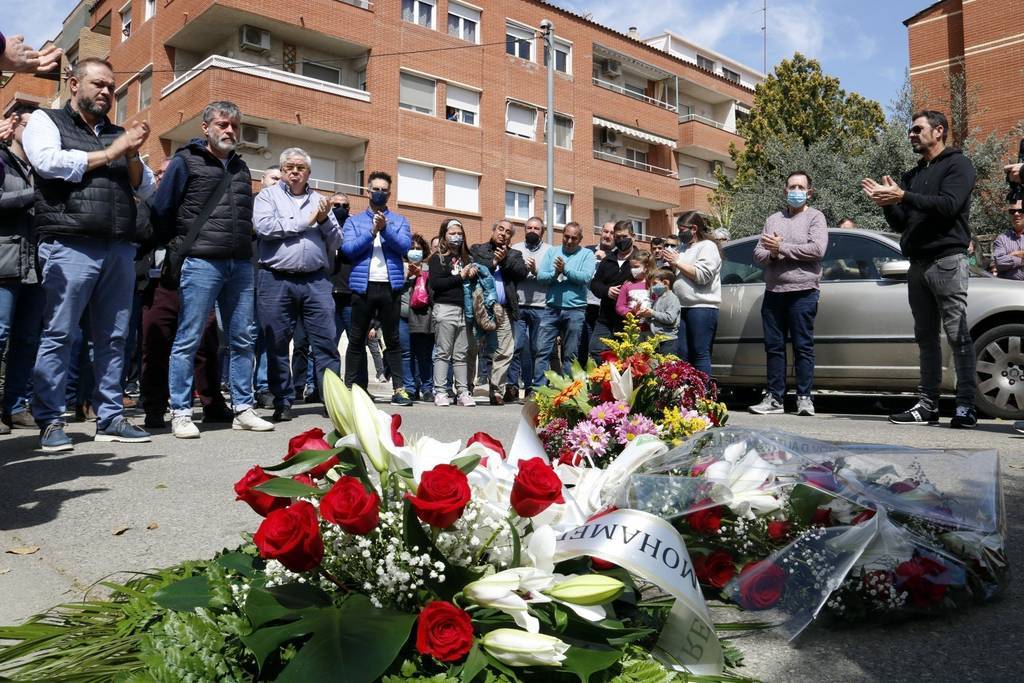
column 382, row 303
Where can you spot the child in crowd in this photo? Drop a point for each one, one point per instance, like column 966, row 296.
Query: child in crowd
column 634, row 297
column 664, row 312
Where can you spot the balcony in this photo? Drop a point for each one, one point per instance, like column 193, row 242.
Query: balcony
column 695, row 193
column 279, row 75
column 635, row 94
column 633, row 162
column 706, row 138
column 634, row 78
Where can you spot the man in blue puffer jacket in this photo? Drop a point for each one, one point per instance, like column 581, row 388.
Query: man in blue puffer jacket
column 375, row 242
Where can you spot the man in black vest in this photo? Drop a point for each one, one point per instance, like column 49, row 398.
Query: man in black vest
column 611, row 273
column 216, row 260
column 87, row 174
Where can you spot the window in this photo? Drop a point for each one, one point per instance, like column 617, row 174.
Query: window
column 126, row 22
column 321, row 72
column 415, row 183
column 738, row 267
column 519, row 42
column 637, row 92
column 463, row 22
column 639, row 227
column 563, row 56
column 461, row 191
column 361, row 79
column 705, row 63
column 121, row 106
column 150, row 9
column 861, row 258
column 462, row 105
column 521, row 120
column 563, row 131
column 637, row 157
column 145, row 90
column 731, row 75
column 321, row 168
column 518, row 201
column 417, row 94
column 563, row 208
column 418, row 12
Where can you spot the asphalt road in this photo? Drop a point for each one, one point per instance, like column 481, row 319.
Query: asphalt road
column 106, row 508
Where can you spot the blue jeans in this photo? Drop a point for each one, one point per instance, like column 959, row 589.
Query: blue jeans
column 565, row 322
column 229, row 284
column 80, row 272
column 417, row 361
column 23, row 323
column 697, row 327
column 789, row 314
column 284, row 300
column 527, row 330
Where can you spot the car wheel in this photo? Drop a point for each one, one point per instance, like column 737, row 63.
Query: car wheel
column 1000, row 372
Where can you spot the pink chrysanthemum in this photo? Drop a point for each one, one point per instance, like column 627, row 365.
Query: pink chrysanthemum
column 609, row 412
column 588, row 440
column 633, row 427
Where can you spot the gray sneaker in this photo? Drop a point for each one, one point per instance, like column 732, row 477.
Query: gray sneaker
column 769, row 405
column 805, row 406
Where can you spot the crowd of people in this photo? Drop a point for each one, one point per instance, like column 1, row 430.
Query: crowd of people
column 191, row 285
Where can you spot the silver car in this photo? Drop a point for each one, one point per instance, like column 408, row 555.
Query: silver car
column 864, row 332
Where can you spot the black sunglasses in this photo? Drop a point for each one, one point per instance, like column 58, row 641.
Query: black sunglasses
column 1015, row 212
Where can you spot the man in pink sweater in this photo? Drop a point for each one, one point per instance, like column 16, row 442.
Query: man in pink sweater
column 790, row 250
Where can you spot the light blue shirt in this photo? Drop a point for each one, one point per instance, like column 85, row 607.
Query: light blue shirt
column 41, row 141
column 569, row 288
column 285, row 237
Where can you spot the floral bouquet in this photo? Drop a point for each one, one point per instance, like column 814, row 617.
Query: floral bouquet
column 384, row 558
column 596, row 412
column 789, row 527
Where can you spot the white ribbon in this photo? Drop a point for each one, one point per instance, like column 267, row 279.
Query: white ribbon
column 649, row 547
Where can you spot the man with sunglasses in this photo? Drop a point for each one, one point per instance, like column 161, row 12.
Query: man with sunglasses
column 931, row 207
column 1008, row 248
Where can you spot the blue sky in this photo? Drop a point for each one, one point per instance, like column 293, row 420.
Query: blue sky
column 864, row 43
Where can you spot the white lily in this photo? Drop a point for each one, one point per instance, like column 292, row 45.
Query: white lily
column 622, row 384
column 519, row 648
column 504, row 591
column 745, row 477
column 595, row 489
column 338, row 401
column 364, row 424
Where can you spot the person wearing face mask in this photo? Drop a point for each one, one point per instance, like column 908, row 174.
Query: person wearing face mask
column 376, row 241
column 698, row 288
column 635, row 294
column 532, row 295
column 416, row 328
column 605, row 246
column 448, row 269
column 611, row 273
column 790, row 250
column 663, row 315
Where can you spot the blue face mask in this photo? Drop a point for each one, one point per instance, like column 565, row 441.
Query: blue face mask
column 379, row 197
column 415, row 255
column 796, row 198
column 658, row 290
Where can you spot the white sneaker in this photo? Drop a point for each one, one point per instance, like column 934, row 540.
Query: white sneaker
column 804, row 406
column 250, row 421
column 769, row 405
column 466, row 400
column 183, row 428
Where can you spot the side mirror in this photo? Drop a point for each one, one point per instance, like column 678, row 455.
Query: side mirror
column 894, row 270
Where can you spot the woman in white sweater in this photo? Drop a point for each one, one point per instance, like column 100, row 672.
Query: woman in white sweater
column 698, row 287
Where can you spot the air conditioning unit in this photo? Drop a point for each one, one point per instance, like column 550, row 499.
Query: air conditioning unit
column 253, row 137
column 254, row 39
column 611, row 67
column 610, row 138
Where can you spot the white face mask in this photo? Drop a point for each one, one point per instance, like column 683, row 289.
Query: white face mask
column 637, row 272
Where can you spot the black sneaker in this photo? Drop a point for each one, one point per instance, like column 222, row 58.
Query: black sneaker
column 265, row 400
column 427, row 397
column 217, row 413
column 283, row 414
column 121, row 430
column 53, row 439
column 401, row 398
column 965, row 418
column 920, row 414
column 511, row 393
column 154, row 421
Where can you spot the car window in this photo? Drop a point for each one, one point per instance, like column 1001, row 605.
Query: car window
column 855, row 257
column 738, row 265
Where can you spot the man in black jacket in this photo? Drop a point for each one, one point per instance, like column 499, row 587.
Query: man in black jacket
column 930, row 207
column 508, row 268
column 611, row 273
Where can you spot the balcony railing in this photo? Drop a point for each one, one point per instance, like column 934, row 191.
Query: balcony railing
column 641, row 165
column 702, row 182
column 325, row 185
column 229, row 64
column 630, row 93
column 703, row 119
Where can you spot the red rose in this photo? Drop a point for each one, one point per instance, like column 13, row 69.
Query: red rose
column 569, row 457
column 707, row 519
column 606, row 393
column 304, row 478
column 716, row 569
column 261, row 503
column 441, row 497
column 602, row 565
column 444, row 632
column 349, row 505
column 698, row 468
column 924, row 579
column 292, row 537
column 535, row 488
column 487, row 441
column 821, row 517
column 312, row 440
column 778, row 530
column 864, row 516
column 396, row 436
column 761, row 585
column 904, row 486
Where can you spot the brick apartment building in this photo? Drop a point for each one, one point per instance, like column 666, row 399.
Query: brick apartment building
column 983, row 39
column 449, row 97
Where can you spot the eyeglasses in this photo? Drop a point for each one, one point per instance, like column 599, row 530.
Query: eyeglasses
column 296, row 167
column 916, row 130
column 572, row 238
column 1016, row 212
column 340, row 206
